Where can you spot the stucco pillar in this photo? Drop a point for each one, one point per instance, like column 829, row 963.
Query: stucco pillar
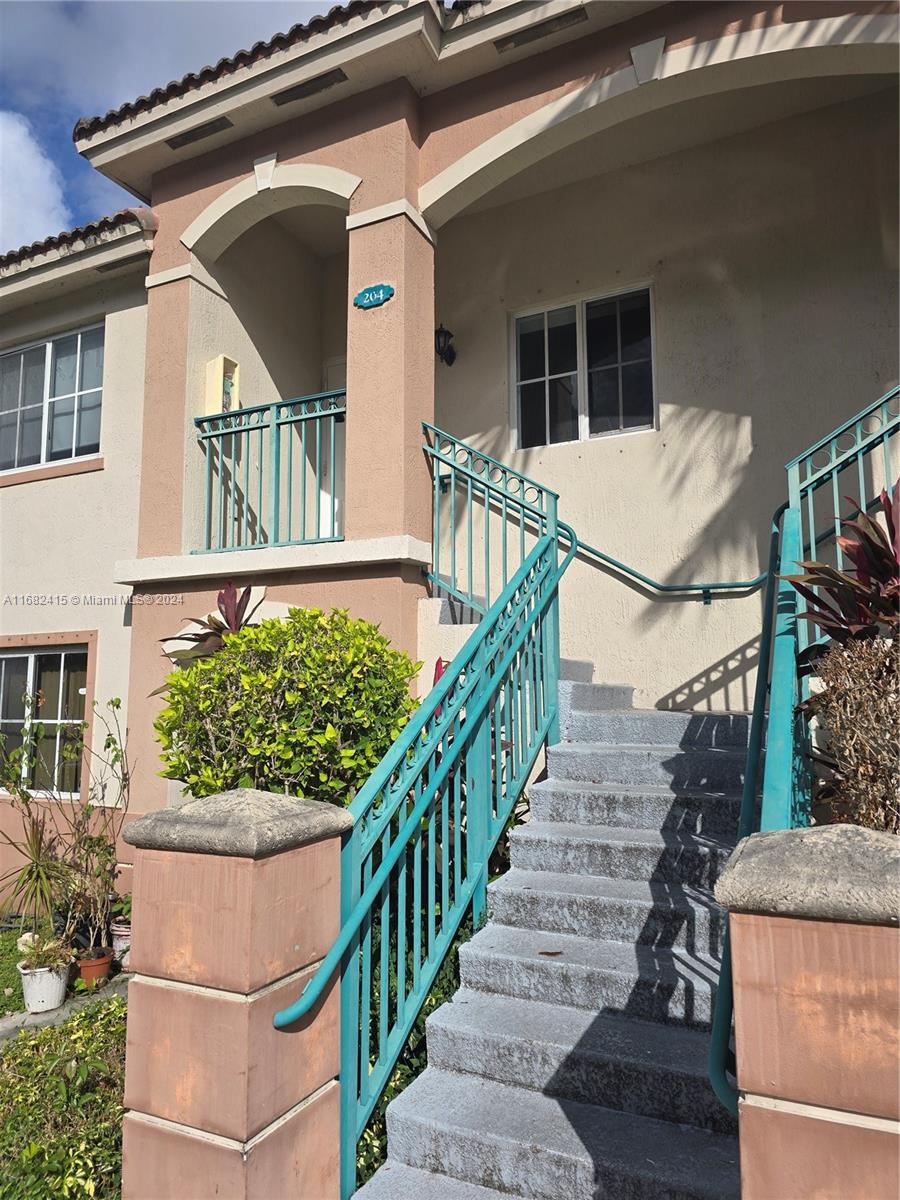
column 236, row 898
column 815, row 952
column 390, row 382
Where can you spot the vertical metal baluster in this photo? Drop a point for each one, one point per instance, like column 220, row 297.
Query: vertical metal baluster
column 260, row 467
column 318, row 425
column 454, row 582
column 384, row 983
column 332, row 426
column 886, row 454
column 290, row 428
column 470, row 546
column 430, row 898
column 804, row 633
column 860, row 468
column 417, row 898
column 487, row 548
column 836, row 503
column 445, row 844
column 521, row 536
column 207, row 533
column 503, row 516
column 304, row 482
column 232, row 520
column 401, row 935
column 351, row 1015
column 365, row 1016
column 436, row 521
column 275, row 475
column 455, row 782
column 245, row 450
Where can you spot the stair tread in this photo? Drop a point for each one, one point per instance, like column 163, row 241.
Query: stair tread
column 396, row 1181
column 568, row 949
column 623, row 835
column 556, row 883
column 649, row 747
column 654, row 790
column 607, row 1035
column 686, row 1160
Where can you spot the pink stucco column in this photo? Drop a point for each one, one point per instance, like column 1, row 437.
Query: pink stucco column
column 236, row 898
column 390, row 381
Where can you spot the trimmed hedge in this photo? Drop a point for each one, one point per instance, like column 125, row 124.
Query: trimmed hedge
column 61, row 1091
column 307, row 705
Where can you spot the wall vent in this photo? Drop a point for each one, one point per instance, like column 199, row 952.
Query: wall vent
column 543, row 29
column 198, row 133
column 310, row 87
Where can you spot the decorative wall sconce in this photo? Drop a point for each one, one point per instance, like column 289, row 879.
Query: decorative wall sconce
column 443, row 346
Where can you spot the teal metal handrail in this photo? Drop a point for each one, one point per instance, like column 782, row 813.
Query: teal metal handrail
column 274, row 473
column 786, row 785
column 426, row 821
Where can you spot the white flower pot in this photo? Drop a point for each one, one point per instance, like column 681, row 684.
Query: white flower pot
column 44, row 988
column 121, row 941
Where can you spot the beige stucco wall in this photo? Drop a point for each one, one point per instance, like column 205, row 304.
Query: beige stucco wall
column 772, row 257
column 61, row 536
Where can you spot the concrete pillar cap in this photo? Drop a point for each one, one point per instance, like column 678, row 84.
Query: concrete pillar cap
column 243, row 823
column 826, row 872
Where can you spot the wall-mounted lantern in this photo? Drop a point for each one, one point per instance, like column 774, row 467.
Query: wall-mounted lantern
column 443, row 346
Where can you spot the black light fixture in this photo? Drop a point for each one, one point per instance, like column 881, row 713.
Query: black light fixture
column 443, row 347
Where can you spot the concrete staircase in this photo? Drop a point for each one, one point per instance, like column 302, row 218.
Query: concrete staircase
column 571, row 1064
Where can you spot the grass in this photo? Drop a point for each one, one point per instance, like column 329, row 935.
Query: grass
column 11, row 1000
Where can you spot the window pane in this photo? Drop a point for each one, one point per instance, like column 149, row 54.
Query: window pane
column 603, row 400
column 530, row 347
column 637, row 395
column 46, row 686
column 561, row 341
column 88, row 440
column 61, row 426
column 8, row 431
column 30, row 436
column 10, row 738
column 602, row 339
column 564, row 409
column 69, row 769
column 43, row 777
column 33, row 376
column 532, row 416
column 634, row 314
column 91, row 360
column 74, row 686
column 62, row 372
column 10, row 366
column 15, row 682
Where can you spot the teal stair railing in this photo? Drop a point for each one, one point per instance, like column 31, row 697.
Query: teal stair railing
column 415, row 862
column 274, row 473
column 859, row 455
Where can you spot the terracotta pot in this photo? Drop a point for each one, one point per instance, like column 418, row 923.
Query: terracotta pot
column 92, row 969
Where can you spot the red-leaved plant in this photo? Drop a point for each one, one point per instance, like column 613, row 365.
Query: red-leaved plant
column 861, row 602
column 212, row 631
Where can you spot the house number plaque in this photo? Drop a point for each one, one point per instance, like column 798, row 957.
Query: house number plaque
column 374, row 296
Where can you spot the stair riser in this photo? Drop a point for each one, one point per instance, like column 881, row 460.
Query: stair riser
column 648, row 728
column 522, row 1168
column 714, row 770
column 699, row 931
column 593, row 697
column 553, row 982
column 666, row 813
column 572, row 1074
column 696, row 866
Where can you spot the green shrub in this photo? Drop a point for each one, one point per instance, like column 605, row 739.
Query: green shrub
column 306, row 705
column 61, row 1107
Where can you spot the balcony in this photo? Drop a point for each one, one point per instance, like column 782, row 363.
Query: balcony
column 274, row 474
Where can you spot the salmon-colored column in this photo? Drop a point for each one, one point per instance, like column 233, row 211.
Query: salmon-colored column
column 390, row 382
column 815, row 951
column 236, row 898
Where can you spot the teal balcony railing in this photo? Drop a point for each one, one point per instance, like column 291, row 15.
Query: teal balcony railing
column 274, row 473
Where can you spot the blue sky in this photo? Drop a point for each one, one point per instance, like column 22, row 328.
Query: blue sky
column 62, row 61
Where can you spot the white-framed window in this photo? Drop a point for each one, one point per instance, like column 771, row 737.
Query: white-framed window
column 583, row 369
column 44, row 689
column 50, row 399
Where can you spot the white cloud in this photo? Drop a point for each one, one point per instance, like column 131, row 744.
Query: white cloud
column 32, row 193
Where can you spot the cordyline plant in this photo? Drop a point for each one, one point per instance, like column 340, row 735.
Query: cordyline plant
column 861, row 602
column 212, row 632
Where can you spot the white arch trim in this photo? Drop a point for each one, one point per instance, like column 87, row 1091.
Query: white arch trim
column 265, row 193
column 844, row 45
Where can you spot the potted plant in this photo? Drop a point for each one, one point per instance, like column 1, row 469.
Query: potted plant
column 44, row 971
column 120, row 928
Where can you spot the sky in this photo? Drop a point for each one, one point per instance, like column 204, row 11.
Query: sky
column 63, row 60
